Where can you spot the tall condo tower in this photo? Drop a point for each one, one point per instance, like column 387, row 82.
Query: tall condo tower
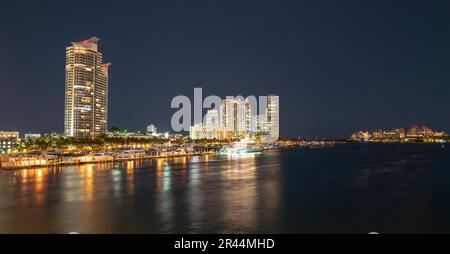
column 86, row 103
column 273, row 117
column 235, row 116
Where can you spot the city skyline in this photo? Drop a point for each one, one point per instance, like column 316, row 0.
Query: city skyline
column 336, row 73
column 240, row 118
column 224, row 125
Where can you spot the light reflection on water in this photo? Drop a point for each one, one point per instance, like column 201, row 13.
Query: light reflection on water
column 348, row 189
column 184, row 194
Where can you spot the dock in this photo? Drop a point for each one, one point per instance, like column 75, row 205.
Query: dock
column 19, row 161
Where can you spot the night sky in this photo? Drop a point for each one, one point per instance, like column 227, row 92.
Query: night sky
column 338, row 66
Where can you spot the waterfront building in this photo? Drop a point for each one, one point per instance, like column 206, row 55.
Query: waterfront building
column 440, row 134
column 414, row 133
column 259, row 125
column 8, row 140
column 196, row 131
column 401, row 133
column 361, row 136
column 377, row 134
column 216, row 132
column 201, row 131
column 32, row 136
column 417, row 131
column 212, row 128
column 86, row 91
column 394, row 134
column 248, row 117
column 272, row 116
column 151, row 129
column 389, row 134
column 235, row 119
column 129, row 135
column 235, row 116
column 212, row 117
column 426, row 132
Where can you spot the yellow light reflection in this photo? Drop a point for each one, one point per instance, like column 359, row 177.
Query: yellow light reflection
column 87, row 172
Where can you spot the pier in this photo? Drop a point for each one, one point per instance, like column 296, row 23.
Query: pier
column 23, row 161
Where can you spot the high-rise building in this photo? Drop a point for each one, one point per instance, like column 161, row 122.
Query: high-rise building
column 212, row 117
column 235, row 116
column 86, row 103
column 259, row 125
column 227, row 114
column 196, row 131
column 210, row 128
column 237, row 119
column 272, row 116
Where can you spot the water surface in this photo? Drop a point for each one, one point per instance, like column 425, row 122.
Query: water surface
column 403, row 188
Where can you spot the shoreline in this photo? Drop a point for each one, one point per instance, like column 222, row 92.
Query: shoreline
column 71, row 163
column 43, row 162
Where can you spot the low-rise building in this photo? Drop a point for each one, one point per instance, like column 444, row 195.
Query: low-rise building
column 417, row 131
column 377, row 134
column 8, row 140
column 129, row 135
column 203, row 131
column 394, row 134
column 440, row 134
column 361, row 136
column 32, row 136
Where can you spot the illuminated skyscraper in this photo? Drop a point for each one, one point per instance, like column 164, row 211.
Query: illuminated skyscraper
column 235, row 116
column 86, row 103
column 259, row 125
column 272, row 116
column 212, row 117
column 237, row 119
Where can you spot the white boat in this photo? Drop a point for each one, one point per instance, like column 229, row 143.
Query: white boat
column 241, row 147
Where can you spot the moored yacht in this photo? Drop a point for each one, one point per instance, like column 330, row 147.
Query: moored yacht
column 241, row 147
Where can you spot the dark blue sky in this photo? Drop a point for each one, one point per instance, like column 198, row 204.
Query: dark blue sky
column 337, row 66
